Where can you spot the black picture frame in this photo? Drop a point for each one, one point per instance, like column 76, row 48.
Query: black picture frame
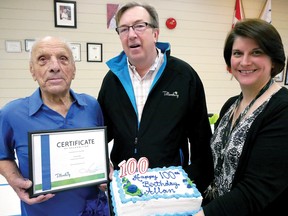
column 286, row 73
column 94, row 52
column 65, row 14
column 82, row 159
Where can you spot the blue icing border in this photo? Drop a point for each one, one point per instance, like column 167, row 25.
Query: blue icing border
column 190, row 213
column 157, row 196
column 113, row 200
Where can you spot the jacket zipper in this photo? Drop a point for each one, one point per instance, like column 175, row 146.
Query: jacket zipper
column 135, row 145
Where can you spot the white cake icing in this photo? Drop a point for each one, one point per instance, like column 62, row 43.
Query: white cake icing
column 159, row 191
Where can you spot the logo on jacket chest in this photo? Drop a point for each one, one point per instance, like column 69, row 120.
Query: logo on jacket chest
column 168, row 94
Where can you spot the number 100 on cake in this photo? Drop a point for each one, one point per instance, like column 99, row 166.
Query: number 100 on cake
column 139, row 190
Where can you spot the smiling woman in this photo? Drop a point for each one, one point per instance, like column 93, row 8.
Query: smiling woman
column 252, row 128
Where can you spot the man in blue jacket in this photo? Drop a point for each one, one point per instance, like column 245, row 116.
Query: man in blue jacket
column 154, row 104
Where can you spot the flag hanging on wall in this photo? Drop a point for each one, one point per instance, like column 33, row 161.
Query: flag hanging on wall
column 238, row 12
column 266, row 12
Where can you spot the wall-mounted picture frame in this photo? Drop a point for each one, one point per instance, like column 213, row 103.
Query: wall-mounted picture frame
column 13, row 46
column 94, row 52
column 279, row 77
column 65, row 14
column 76, row 50
column 28, row 44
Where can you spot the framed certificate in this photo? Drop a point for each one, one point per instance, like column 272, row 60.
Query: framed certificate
column 28, row 44
column 76, row 51
column 13, row 46
column 94, row 52
column 65, row 159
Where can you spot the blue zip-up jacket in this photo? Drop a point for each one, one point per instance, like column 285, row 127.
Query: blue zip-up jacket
column 175, row 112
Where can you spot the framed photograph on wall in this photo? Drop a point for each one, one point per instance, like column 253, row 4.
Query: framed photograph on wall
column 76, row 50
column 94, row 52
column 65, row 14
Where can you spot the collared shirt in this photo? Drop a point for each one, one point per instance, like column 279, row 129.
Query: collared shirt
column 142, row 85
column 21, row 116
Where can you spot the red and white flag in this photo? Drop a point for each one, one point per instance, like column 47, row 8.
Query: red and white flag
column 266, row 12
column 238, row 12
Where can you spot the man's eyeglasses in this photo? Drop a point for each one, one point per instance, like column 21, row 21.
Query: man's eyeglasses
column 138, row 28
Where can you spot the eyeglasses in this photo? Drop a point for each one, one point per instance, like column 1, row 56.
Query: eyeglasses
column 138, row 28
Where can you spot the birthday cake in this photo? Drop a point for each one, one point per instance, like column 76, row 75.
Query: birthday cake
column 158, row 191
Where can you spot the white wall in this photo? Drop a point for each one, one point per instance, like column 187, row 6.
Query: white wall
column 10, row 203
column 201, row 29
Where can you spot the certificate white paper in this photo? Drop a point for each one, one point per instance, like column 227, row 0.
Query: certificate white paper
column 76, row 51
column 65, row 159
column 94, row 52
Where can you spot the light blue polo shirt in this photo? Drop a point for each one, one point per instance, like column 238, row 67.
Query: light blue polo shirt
column 21, row 116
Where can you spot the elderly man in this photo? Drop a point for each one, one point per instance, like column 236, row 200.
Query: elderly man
column 54, row 105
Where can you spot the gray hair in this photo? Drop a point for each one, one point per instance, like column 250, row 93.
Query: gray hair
column 154, row 20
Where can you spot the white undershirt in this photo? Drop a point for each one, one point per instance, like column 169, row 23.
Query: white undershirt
column 141, row 86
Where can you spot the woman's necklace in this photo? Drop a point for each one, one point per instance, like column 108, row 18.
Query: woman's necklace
column 212, row 189
column 229, row 128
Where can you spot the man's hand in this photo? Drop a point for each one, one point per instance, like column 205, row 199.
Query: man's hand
column 103, row 187
column 9, row 169
column 21, row 185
